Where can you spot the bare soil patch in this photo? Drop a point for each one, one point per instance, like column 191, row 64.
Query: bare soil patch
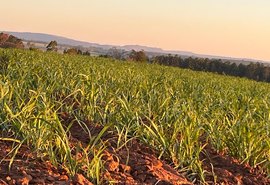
column 28, row 169
column 134, row 163
column 224, row 169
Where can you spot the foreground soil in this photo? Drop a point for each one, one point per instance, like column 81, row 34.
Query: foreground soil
column 133, row 164
column 27, row 169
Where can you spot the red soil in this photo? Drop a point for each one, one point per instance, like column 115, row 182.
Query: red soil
column 28, row 169
column 230, row 171
column 133, row 164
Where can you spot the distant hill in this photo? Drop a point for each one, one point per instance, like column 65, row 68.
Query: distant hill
column 145, row 48
column 41, row 37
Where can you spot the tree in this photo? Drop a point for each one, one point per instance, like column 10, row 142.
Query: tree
column 71, row 51
column 138, row 56
column 10, row 41
column 79, row 52
column 52, row 46
column 115, row 53
column 75, row 51
column 87, row 53
column 31, row 46
column 3, row 37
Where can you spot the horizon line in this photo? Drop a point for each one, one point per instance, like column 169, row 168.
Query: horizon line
column 165, row 50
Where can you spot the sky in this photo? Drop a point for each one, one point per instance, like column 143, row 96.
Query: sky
column 235, row 28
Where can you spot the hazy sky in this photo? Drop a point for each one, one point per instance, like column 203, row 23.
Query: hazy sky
column 237, row 28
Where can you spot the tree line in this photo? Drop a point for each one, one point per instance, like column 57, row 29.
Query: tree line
column 256, row 71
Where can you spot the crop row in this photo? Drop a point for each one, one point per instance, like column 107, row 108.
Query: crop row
column 177, row 112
